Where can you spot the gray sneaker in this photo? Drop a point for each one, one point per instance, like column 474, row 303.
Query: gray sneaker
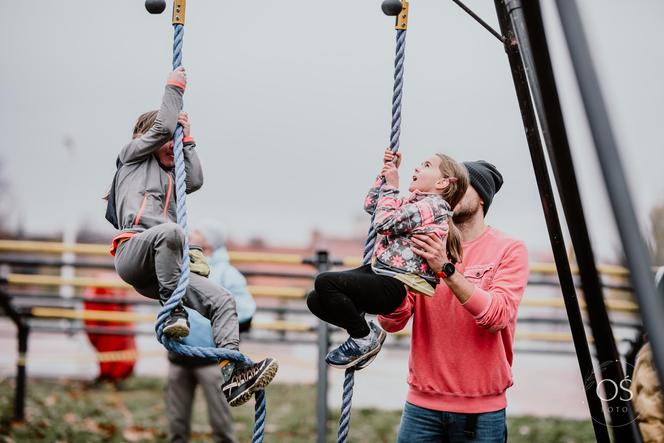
column 352, row 354
column 177, row 324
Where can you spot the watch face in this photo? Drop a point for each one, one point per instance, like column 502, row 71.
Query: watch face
column 449, row 269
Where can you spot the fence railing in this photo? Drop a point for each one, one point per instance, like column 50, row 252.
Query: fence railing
column 30, row 299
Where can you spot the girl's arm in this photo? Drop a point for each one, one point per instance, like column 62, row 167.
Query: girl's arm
column 192, row 164
column 164, row 126
column 393, row 217
column 374, row 193
column 192, row 167
column 372, row 196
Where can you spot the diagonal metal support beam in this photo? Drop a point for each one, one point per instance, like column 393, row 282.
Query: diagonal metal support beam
column 554, row 228
column 606, row 146
column 529, row 31
column 479, row 20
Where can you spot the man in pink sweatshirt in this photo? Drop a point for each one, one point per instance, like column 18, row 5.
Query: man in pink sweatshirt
column 461, row 346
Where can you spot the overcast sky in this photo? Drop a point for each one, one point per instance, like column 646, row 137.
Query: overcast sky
column 290, row 106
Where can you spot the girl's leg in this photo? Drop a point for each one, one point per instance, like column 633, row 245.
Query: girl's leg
column 339, row 298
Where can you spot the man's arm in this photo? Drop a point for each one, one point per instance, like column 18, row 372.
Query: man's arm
column 398, row 319
column 496, row 307
column 164, row 126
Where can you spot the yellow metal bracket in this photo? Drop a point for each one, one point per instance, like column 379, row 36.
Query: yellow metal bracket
column 179, row 7
column 402, row 18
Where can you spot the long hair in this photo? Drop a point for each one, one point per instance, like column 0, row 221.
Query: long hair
column 453, row 194
column 144, row 123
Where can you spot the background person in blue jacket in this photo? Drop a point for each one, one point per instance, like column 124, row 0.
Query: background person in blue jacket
column 211, row 237
column 185, row 373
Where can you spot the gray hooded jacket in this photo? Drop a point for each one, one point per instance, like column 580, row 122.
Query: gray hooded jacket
column 144, row 190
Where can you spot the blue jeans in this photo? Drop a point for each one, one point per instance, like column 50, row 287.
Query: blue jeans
column 421, row 425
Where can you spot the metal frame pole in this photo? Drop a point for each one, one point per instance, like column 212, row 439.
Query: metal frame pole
column 529, row 31
column 21, row 373
column 651, row 303
column 550, row 214
column 22, row 333
column 322, row 265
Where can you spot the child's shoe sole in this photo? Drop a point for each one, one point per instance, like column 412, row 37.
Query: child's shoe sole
column 265, row 378
column 177, row 330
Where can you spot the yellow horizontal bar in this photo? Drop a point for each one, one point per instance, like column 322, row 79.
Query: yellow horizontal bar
column 613, row 305
column 133, row 317
column 98, row 249
column 277, row 292
column 53, row 247
column 113, row 356
column 56, row 280
column 351, row 262
column 90, row 282
column 609, row 270
column 265, row 257
column 90, row 314
column 249, row 257
column 272, row 291
column 559, row 337
column 283, row 326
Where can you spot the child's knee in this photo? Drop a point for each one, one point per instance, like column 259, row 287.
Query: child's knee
column 314, row 302
column 172, row 235
column 324, row 281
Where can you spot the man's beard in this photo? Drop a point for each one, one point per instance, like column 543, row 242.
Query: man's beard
column 462, row 215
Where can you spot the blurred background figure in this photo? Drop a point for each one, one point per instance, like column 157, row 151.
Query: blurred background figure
column 185, row 373
column 122, row 365
column 211, row 237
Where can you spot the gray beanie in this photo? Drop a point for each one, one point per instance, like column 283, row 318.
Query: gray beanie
column 213, row 232
column 486, row 180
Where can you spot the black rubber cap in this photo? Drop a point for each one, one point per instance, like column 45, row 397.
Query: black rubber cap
column 391, row 7
column 155, row 6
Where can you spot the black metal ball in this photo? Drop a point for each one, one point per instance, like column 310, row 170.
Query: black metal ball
column 391, row 7
column 155, row 6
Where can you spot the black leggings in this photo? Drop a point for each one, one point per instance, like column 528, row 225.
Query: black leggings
column 340, row 298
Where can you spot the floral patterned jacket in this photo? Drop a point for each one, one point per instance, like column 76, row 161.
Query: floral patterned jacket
column 396, row 220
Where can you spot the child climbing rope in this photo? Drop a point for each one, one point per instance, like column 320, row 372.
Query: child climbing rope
column 148, row 251
column 341, row 298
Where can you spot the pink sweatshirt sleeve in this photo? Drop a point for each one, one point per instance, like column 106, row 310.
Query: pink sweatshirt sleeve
column 397, row 320
column 496, row 308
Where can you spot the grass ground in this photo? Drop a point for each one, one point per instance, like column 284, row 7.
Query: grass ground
column 69, row 411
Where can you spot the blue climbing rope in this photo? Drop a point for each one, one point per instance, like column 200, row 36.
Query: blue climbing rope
column 349, row 376
column 183, row 282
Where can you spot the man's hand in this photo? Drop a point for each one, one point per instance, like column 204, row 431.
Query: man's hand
column 178, row 77
column 391, row 174
column 432, row 248
column 183, row 119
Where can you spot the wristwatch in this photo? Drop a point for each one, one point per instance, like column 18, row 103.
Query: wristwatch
column 447, row 271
